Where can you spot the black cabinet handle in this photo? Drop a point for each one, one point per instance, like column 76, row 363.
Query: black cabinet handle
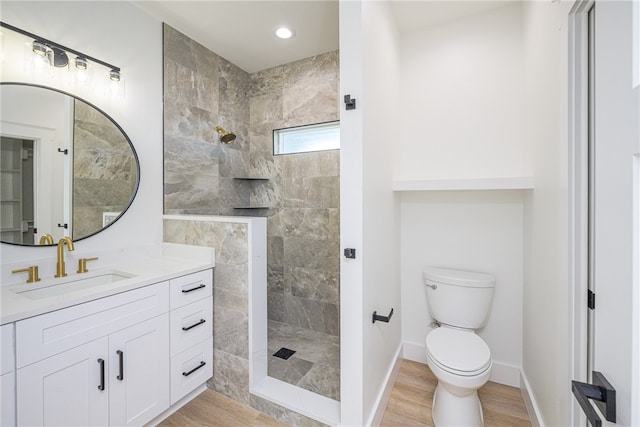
column 120, row 354
column 186, row 291
column 186, row 374
column 101, row 363
column 186, row 328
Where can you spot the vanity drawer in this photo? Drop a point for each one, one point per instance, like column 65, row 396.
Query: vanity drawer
column 191, row 324
column 52, row 333
column 7, row 354
column 190, row 288
column 190, row 369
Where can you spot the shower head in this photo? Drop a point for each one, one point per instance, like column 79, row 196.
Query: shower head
column 225, row 137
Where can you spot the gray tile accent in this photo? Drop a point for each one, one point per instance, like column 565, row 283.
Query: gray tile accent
column 230, row 376
column 202, row 90
column 321, row 353
column 283, row 414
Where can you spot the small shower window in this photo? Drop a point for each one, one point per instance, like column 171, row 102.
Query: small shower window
column 308, row 138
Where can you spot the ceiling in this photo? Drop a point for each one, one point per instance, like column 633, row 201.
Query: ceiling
column 241, row 31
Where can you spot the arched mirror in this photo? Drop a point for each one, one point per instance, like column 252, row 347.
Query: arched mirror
column 66, row 168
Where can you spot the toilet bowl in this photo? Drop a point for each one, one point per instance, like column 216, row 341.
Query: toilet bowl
column 460, row 302
column 461, row 361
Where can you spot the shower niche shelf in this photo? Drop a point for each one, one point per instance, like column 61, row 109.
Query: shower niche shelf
column 466, row 184
column 251, row 178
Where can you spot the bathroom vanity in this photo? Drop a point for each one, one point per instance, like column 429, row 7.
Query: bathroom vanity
column 117, row 346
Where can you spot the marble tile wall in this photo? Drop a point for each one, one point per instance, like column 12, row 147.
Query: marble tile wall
column 230, row 298
column 302, row 191
column 230, row 239
column 104, row 170
column 201, row 91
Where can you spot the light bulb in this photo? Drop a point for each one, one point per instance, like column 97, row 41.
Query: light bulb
column 284, row 32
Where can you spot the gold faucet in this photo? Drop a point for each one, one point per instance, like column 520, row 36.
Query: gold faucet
column 33, row 273
column 82, row 264
column 46, row 239
column 60, row 271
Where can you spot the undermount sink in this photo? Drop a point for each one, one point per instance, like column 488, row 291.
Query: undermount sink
column 56, row 287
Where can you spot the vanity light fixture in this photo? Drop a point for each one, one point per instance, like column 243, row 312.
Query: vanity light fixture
column 81, row 63
column 114, row 75
column 54, row 54
column 40, row 49
column 284, row 32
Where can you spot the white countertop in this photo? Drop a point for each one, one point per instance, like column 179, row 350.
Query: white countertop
column 175, row 261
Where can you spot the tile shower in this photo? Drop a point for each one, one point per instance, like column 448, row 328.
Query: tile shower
column 298, row 193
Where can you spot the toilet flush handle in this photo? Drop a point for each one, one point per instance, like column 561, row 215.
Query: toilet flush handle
column 432, row 286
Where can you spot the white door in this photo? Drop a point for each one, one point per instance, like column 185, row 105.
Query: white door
column 139, row 372
column 616, row 191
column 68, row 389
column 615, row 197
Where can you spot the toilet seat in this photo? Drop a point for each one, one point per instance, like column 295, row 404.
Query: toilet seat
column 459, row 352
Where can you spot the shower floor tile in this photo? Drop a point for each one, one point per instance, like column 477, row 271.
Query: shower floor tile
column 315, row 366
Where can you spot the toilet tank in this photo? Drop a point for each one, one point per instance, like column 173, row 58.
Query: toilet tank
column 459, row 298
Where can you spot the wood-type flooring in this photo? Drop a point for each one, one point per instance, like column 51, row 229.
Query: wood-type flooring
column 409, row 405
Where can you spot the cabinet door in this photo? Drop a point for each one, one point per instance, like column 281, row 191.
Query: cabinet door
column 139, row 372
column 7, row 377
column 65, row 389
column 7, row 400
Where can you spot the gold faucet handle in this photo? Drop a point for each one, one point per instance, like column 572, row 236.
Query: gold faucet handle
column 82, row 264
column 33, row 273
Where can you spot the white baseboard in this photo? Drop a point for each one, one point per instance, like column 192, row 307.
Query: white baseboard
column 414, row 351
column 501, row 373
column 375, row 418
column 530, row 402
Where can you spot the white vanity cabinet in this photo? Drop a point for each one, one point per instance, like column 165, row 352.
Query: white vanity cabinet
column 104, row 362
column 191, row 332
column 7, row 377
column 63, row 389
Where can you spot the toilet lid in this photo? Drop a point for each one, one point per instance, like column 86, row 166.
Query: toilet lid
column 460, row 352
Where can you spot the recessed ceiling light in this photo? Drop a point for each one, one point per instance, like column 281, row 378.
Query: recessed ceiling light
column 284, row 32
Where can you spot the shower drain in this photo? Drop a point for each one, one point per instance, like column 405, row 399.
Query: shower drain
column 284, row 353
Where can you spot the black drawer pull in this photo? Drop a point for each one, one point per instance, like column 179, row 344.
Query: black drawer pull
column 186, row 374
column 120, row 354
column 186, row 328
column 101, row 386
column 186, row 291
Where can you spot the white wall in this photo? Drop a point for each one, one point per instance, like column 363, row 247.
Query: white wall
column 486, row 96
column 546, row 305
column 461, row 99
column 468, row 230
column 381, row 281
column 369, row 73
column 463, row 116
column 351, row 211
column 121, row 34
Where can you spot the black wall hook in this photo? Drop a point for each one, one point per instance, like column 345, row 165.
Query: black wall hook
column 350, row 103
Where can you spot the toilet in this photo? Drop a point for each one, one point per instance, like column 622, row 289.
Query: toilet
column 459, row 301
